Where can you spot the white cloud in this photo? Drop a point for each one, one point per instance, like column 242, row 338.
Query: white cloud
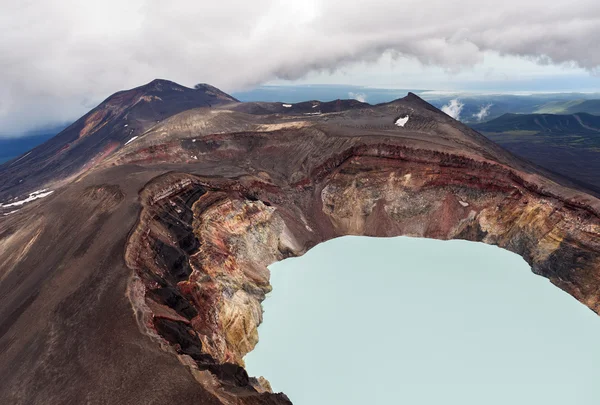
column 362, row 97
column 483, row 112
column 60, row 57
column 453, row 108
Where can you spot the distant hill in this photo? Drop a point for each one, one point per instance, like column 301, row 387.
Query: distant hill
column 567, row 144
column 571, row 123
column 477, row 108
column 570, row 107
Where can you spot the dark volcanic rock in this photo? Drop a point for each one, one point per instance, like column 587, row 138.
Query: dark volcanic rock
column 141, row 281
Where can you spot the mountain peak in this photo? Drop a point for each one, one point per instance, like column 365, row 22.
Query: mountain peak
column 163, row 85
column 212, row 90
column 115, row 122
column 414, row 100
column 412, row 96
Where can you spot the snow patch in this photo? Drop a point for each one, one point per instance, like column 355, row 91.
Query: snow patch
column 32, row 196
column 287, row 105
column 401, row 121
column 464, row 204
column 8, row 213
column 131, row 140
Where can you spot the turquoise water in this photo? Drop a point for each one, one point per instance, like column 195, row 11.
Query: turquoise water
column 362, row 320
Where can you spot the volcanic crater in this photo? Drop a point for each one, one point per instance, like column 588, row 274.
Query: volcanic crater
column 180, row 226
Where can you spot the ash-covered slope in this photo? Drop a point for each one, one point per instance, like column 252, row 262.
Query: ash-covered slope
column 102, row 131
column 141, row 281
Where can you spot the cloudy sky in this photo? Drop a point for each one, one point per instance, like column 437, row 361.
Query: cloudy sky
column 58, row 58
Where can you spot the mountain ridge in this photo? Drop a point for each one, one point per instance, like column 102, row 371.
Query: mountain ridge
column 97, row 136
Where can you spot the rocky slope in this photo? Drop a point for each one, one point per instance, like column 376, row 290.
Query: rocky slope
column 153, row 293
column 88, row 141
